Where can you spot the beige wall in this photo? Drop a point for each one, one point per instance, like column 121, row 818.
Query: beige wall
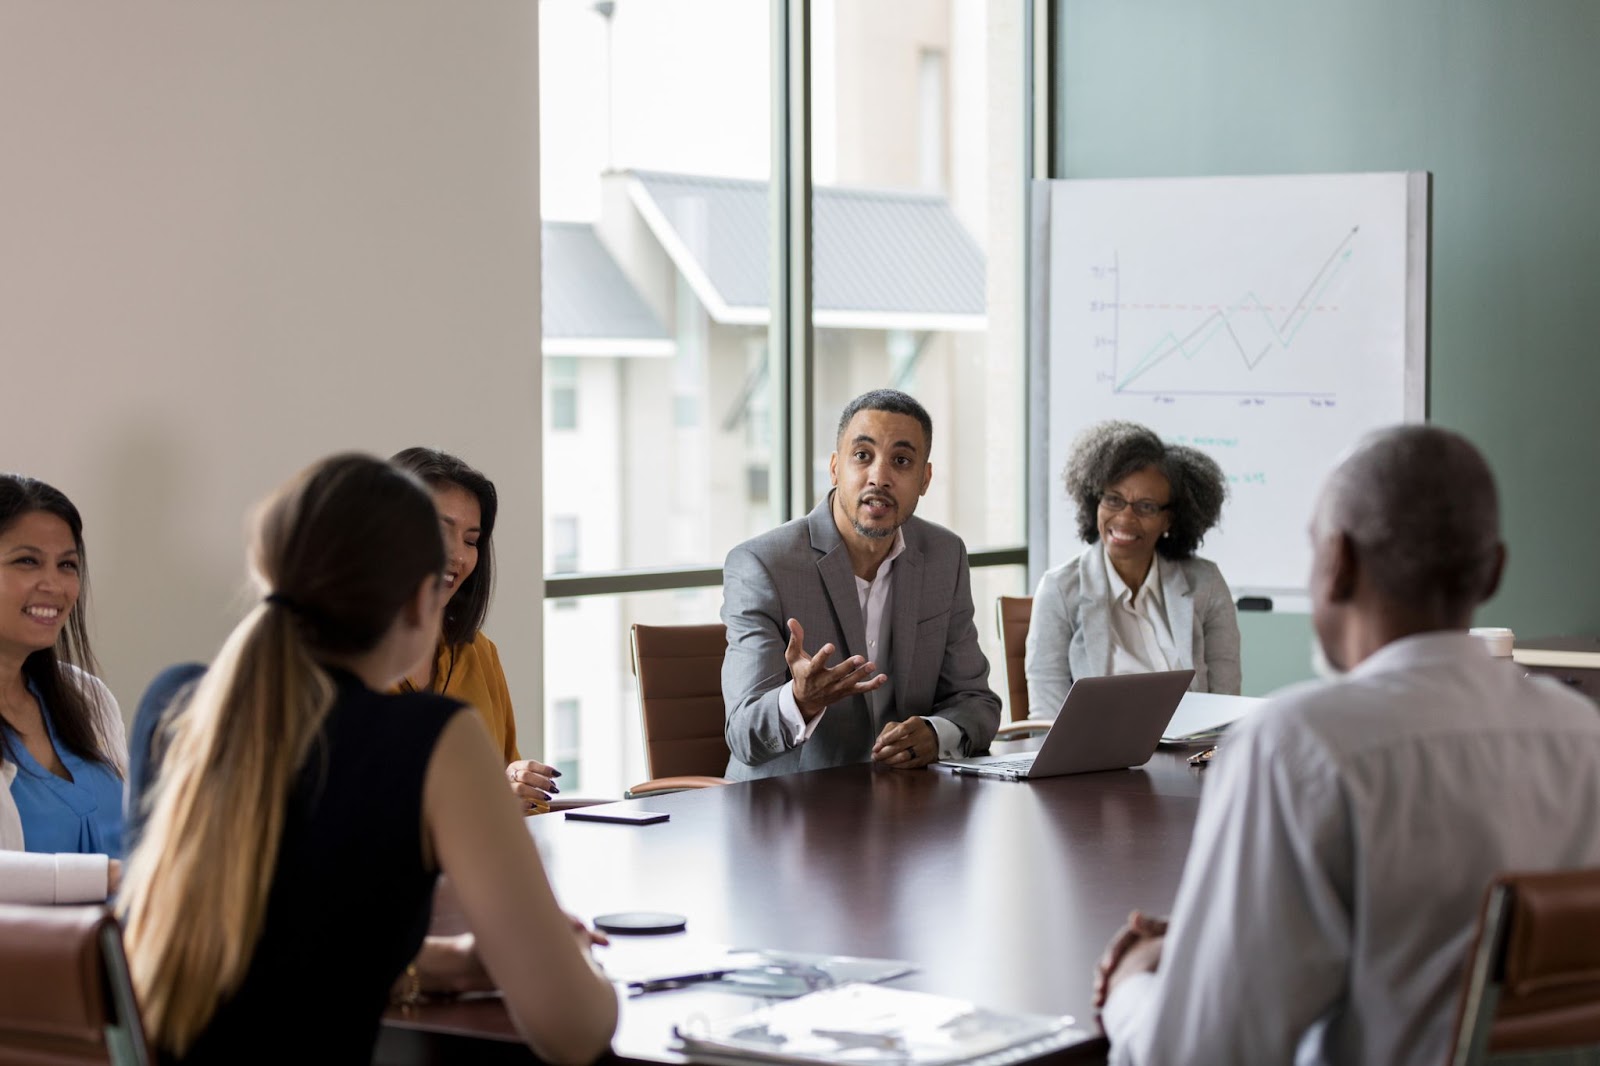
column 237, row 236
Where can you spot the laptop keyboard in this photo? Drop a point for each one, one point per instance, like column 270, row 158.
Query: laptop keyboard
column 1010, row 764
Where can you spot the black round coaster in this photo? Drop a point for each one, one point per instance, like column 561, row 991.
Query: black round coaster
column 641, row 923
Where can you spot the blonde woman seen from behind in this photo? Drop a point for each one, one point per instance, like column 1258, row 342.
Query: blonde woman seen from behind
column 292, row 816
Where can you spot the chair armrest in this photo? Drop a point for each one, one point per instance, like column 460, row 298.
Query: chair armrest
column 658, row 785
column 1022, row 730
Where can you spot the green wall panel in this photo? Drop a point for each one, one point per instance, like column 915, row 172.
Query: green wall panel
column 1501, row 101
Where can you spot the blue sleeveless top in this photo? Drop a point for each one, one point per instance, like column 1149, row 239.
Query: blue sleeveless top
column 82, row 816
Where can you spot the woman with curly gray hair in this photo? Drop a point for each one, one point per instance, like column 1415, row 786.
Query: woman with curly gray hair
column 1137, row 599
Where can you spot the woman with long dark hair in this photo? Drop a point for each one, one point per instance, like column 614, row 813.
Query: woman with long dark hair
column 296, row 813
column 467, row 663
column 63, row 750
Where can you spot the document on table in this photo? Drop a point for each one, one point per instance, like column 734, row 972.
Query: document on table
column 650, row 964
column 867, row 1025
column 1202, row 716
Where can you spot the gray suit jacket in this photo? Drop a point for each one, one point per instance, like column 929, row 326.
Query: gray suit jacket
column 801, row 570
column 1070, row 635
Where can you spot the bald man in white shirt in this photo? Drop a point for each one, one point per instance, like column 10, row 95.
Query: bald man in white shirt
column 1350, row 828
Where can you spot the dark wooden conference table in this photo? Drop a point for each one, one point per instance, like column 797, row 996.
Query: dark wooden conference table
column 1003, row 893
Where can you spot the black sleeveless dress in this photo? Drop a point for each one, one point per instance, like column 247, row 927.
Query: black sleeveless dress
column 350, row 898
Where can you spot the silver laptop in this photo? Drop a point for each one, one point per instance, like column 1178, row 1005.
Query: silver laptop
column 1105, row 723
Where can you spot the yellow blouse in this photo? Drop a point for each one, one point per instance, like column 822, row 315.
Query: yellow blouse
column 475, row 677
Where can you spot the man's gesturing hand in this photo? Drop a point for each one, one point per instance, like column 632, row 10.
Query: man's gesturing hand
column 817, row 686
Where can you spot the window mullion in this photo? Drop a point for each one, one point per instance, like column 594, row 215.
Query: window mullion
column 790, row 331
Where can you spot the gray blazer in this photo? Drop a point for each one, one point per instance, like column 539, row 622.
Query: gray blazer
column 1070, row 635
column 801, row 570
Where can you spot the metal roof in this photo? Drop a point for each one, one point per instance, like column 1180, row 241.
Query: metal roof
column 883, row 259
column 590, row 306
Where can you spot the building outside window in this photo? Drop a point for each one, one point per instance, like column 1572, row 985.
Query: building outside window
column 563, row 544
column 565, row 740
column 561, row 374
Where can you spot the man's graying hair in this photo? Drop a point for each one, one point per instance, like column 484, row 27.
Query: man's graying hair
column 893, row 401
column 1420, row 504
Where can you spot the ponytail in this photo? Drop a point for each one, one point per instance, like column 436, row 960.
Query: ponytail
column 197, row 886
column 342, row 548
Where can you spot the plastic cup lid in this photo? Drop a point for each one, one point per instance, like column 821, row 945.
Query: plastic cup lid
column 1499, row 639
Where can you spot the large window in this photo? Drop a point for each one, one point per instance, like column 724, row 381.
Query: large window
column 918, row 165
column 655, row 155
column 667, row 435
column 658, row 436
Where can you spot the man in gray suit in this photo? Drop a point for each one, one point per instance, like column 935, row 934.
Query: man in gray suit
column 872, row 585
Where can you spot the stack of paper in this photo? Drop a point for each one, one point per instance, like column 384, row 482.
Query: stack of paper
column 867, row 1025
column 1202, row 716
column 1570, row 653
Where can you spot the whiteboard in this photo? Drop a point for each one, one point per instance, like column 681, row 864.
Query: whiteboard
column 1268, row 321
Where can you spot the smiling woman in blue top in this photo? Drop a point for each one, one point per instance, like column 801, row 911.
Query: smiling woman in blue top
column 62, row 744
column 1138, row 599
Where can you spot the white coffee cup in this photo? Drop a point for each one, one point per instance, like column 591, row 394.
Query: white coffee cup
column 1499, row 641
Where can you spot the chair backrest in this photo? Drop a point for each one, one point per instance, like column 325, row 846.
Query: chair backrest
column 1012, row 615
column 680, row 698
column 1532, row 990
column 65, row 995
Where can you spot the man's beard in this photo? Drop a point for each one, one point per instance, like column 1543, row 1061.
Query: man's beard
column 874, row 534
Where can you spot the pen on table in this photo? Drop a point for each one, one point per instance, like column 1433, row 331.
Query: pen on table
column 663, row 984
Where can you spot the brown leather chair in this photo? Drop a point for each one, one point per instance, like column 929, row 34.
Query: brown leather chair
column 1012, row 615
column 680, row 700
column 65, row 995
column 1532, row 991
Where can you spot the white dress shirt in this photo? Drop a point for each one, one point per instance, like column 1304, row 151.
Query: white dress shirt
column 1343, row 845
column 874, row 597
column 1141, row 637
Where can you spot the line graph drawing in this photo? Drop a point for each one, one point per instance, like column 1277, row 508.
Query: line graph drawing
column 1247, row 328
column 1268, row 320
